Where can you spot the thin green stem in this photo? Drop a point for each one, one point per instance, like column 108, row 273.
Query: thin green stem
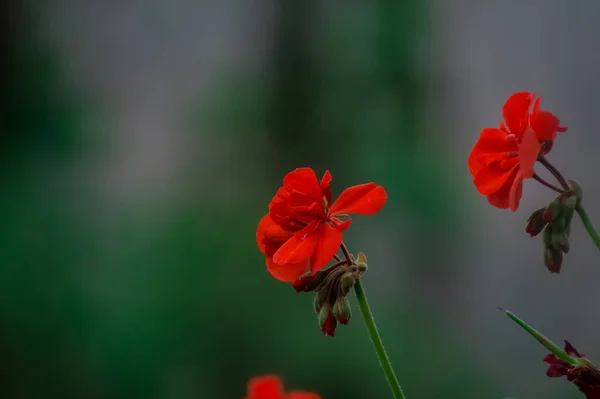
column 589, row 226
column 377, row 343
column 541, row 338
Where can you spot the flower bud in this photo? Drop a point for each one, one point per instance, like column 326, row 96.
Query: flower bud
column 576, row 190
column 536, row 223
column 307, row 283
column 361, row 262
column 553, row 259
column 327, row 322
column 311, row 283
column 319, row 300
column 571, row 203
column 560, row 224
column 553, row 210
column 341, row 310
column 560, row 241
column 346, row 283
column 547, row 236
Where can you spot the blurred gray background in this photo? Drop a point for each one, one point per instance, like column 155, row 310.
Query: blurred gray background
column 142, row 141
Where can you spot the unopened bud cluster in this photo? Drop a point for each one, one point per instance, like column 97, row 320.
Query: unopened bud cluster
column 555, row 223
column 332, row 287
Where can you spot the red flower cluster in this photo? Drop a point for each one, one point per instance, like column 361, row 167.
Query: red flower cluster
column 504, row 156
column 585, row 376
column 303, row 229
column 271, row 387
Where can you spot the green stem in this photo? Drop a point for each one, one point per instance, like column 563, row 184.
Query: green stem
column 589, row 226
column 551, row 346
column 377, row 343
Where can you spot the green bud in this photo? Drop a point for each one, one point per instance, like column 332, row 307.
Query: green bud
column 319, row 300
column 536, row 223
column 346, row 283
column 361, row 262
column 560, row 241
column 547, row 237
column 554, row 209
column 560, row 224
column 310, row 283
column 323, row 314
column 571, row 203
column 553, row 259
column 341, row 310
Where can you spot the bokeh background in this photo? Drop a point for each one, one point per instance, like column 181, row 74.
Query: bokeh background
column 142, row 140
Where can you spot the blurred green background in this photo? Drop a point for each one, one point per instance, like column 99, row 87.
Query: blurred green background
column 141, row 143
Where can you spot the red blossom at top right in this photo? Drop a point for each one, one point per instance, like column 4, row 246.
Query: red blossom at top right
column 503, row 157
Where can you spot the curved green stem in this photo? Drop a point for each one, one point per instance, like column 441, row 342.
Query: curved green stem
column 589, row 226
column 377, row 343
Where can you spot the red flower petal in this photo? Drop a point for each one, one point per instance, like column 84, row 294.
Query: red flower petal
column 571, row 351
column 516, row 192
column 267, row 387
column 287, row 273
column 302, row 395
column 264, row 223
column 340, row 225
column 491, row 179
column 557, row 367
column 299, row 248
column 492, row 146
column 364, row 199
column 501, row 198
column 325, row 189
column 516, row 112
column 536, row 108
column 328, row 328
column 328, row 244
column 269, row 235
column 303, row 180
column 546, row 125
column 528, row 152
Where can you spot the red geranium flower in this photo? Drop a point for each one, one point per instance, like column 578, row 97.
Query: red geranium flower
column 503, row 157
column 303, row 229
column 585, row 375
column 271, row 387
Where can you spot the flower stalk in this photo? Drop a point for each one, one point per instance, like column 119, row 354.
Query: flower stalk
column 386, row 365
column 365, row 310
column 542, row 339
column 589, row 226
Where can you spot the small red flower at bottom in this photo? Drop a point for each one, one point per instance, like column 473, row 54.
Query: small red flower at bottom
column 585, row 375
column 271, row 387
